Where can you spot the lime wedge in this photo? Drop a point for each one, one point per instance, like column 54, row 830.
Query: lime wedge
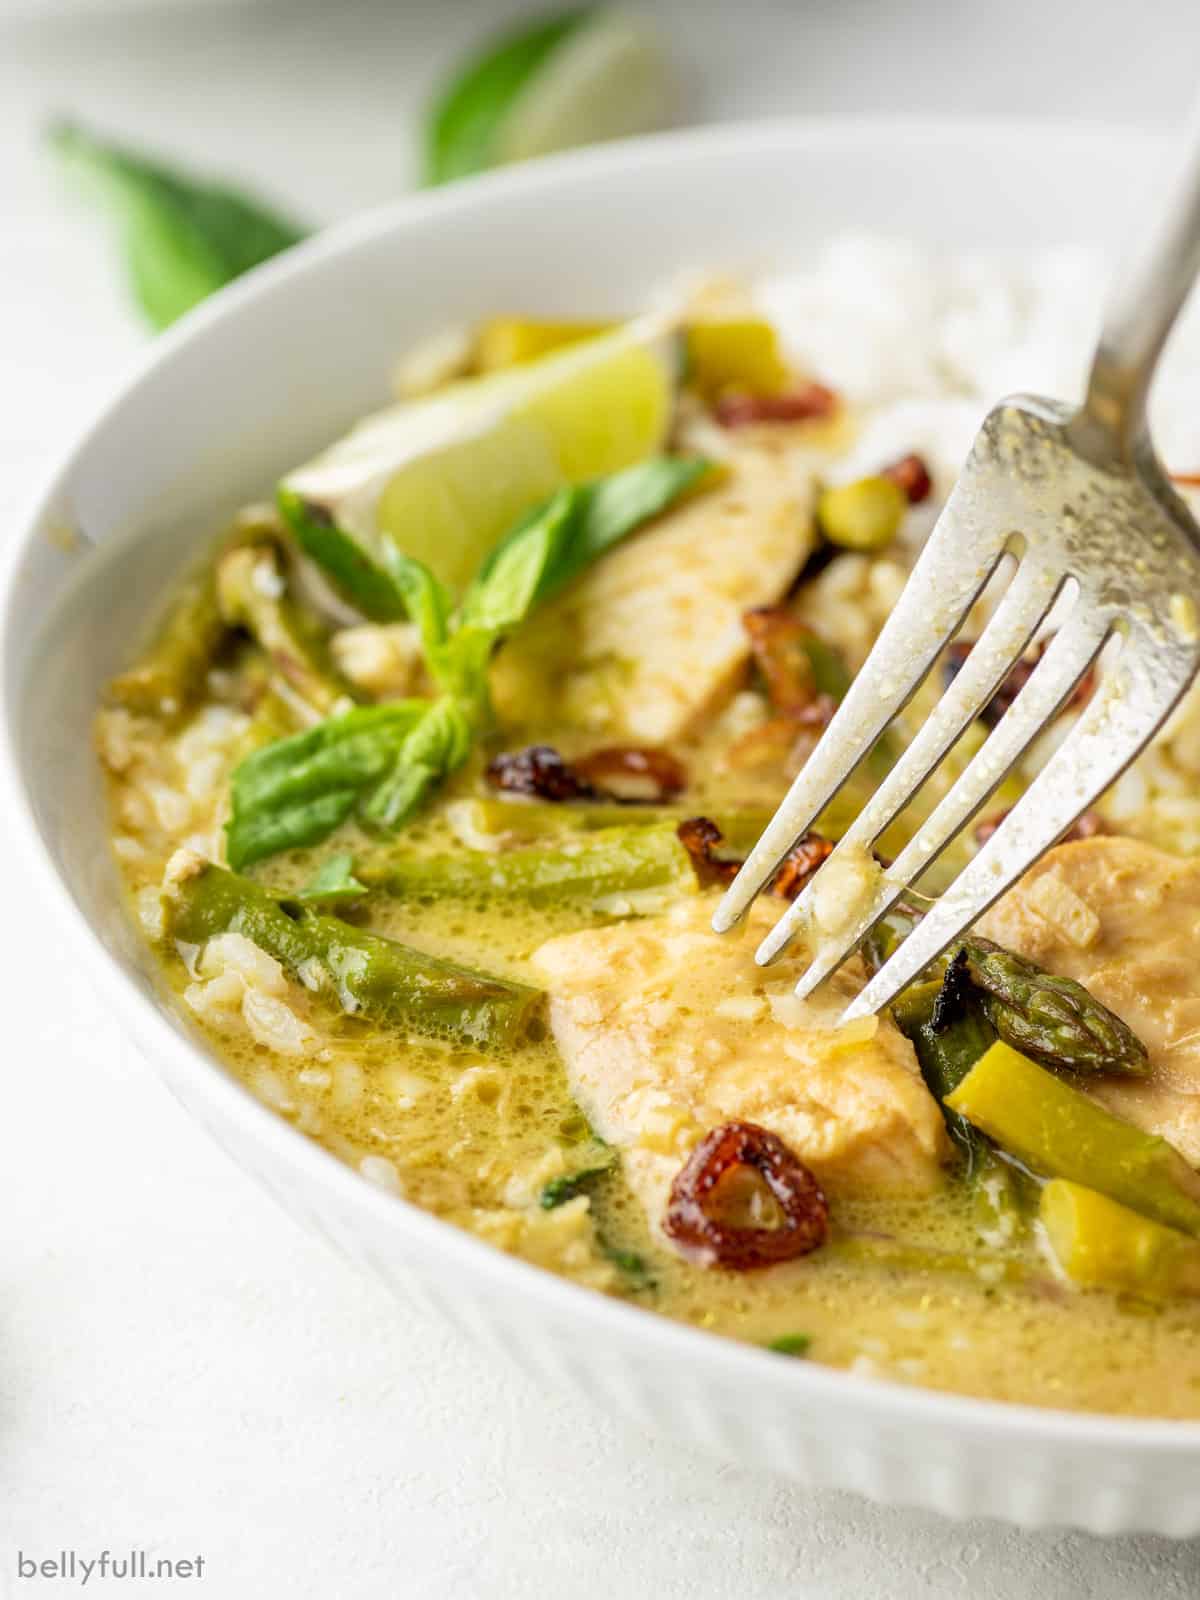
column 606, row 79
column 442, row 478
column 567, row 80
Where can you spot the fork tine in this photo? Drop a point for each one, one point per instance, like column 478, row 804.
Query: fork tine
column 1123, row 715
column 1067, row 658
column 1022, row 607
column 956, row 563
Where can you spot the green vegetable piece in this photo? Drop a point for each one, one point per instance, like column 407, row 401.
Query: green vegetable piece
column 465, row 122
column 171, row 674
column 296, row 791
column 359, row 579
column 886, row 937
column 183, row 238
column 559, row 1190
column 598, row 516
column 791, row 1344
column 632, row 1267
column 252, row 594
column 945, row 1055
column 1053, row 1019
column 538, row 819
column 865, row 515
column 1101, row 1244
column 362, row 973
column 1058, row 1132
column 437, row 745
column 333, row 883
column 598, row 866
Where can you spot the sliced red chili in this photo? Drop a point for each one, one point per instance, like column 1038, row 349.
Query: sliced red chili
column 797, row 405
column 912, row 475
column 632, row 773
column 691, row 1219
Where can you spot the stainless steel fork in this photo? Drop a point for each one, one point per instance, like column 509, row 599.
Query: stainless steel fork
column 1078, row 500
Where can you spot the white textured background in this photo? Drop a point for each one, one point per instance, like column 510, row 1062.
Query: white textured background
column 180, row 1368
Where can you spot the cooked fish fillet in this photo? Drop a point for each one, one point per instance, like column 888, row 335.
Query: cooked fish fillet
column 1123, row 918
column 651, row 637
column 668, row 1031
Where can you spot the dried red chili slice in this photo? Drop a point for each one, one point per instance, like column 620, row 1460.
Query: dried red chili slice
column 701, row 838
column 801, row 861
column 779, row 643
column 797, row 405
column 690, row 1220
column 1016, row 680
column 638, row 774
column 912, row 475
column 538, row 770
column 635, row 776
column 1087, row 826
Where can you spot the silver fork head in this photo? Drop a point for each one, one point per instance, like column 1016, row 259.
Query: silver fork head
column 1040, row 486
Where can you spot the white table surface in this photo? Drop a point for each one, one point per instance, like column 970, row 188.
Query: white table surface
column 181, row 1369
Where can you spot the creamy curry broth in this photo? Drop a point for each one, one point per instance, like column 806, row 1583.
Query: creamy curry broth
column 932, row 1288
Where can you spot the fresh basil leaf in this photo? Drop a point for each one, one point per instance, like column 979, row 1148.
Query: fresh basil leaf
column 296, row 791
column 599, row 515
column 292, row 825
column 466, row 119
column 333, row 882
column 437, row 746
column 427, row 600
column 618, row 505
column 375, row 592
column 515, row 574
column 559, row 1190
column 184, row 238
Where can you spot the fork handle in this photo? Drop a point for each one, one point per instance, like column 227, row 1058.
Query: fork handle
column 1153, row 284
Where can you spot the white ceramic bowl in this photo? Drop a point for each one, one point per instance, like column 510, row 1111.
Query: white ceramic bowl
column 256, row 380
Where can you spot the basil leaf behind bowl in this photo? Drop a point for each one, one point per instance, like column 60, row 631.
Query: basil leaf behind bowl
column 183, row 238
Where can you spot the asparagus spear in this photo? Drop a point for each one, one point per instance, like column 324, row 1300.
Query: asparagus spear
column 945, row 1055
column 1100, row 1244
column 536, row 819
column 363, row 973
column 252, row 594
column 172, row 671
column 1059, row 1132
column 611, row 861
column 1052, row 1019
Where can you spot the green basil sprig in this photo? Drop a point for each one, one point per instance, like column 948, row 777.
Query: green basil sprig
column 383, row 762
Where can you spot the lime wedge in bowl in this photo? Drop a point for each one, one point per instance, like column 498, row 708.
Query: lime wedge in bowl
column 563, row 81
column 442, row 478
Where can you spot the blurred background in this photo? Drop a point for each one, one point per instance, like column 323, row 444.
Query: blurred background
column 320, row 107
